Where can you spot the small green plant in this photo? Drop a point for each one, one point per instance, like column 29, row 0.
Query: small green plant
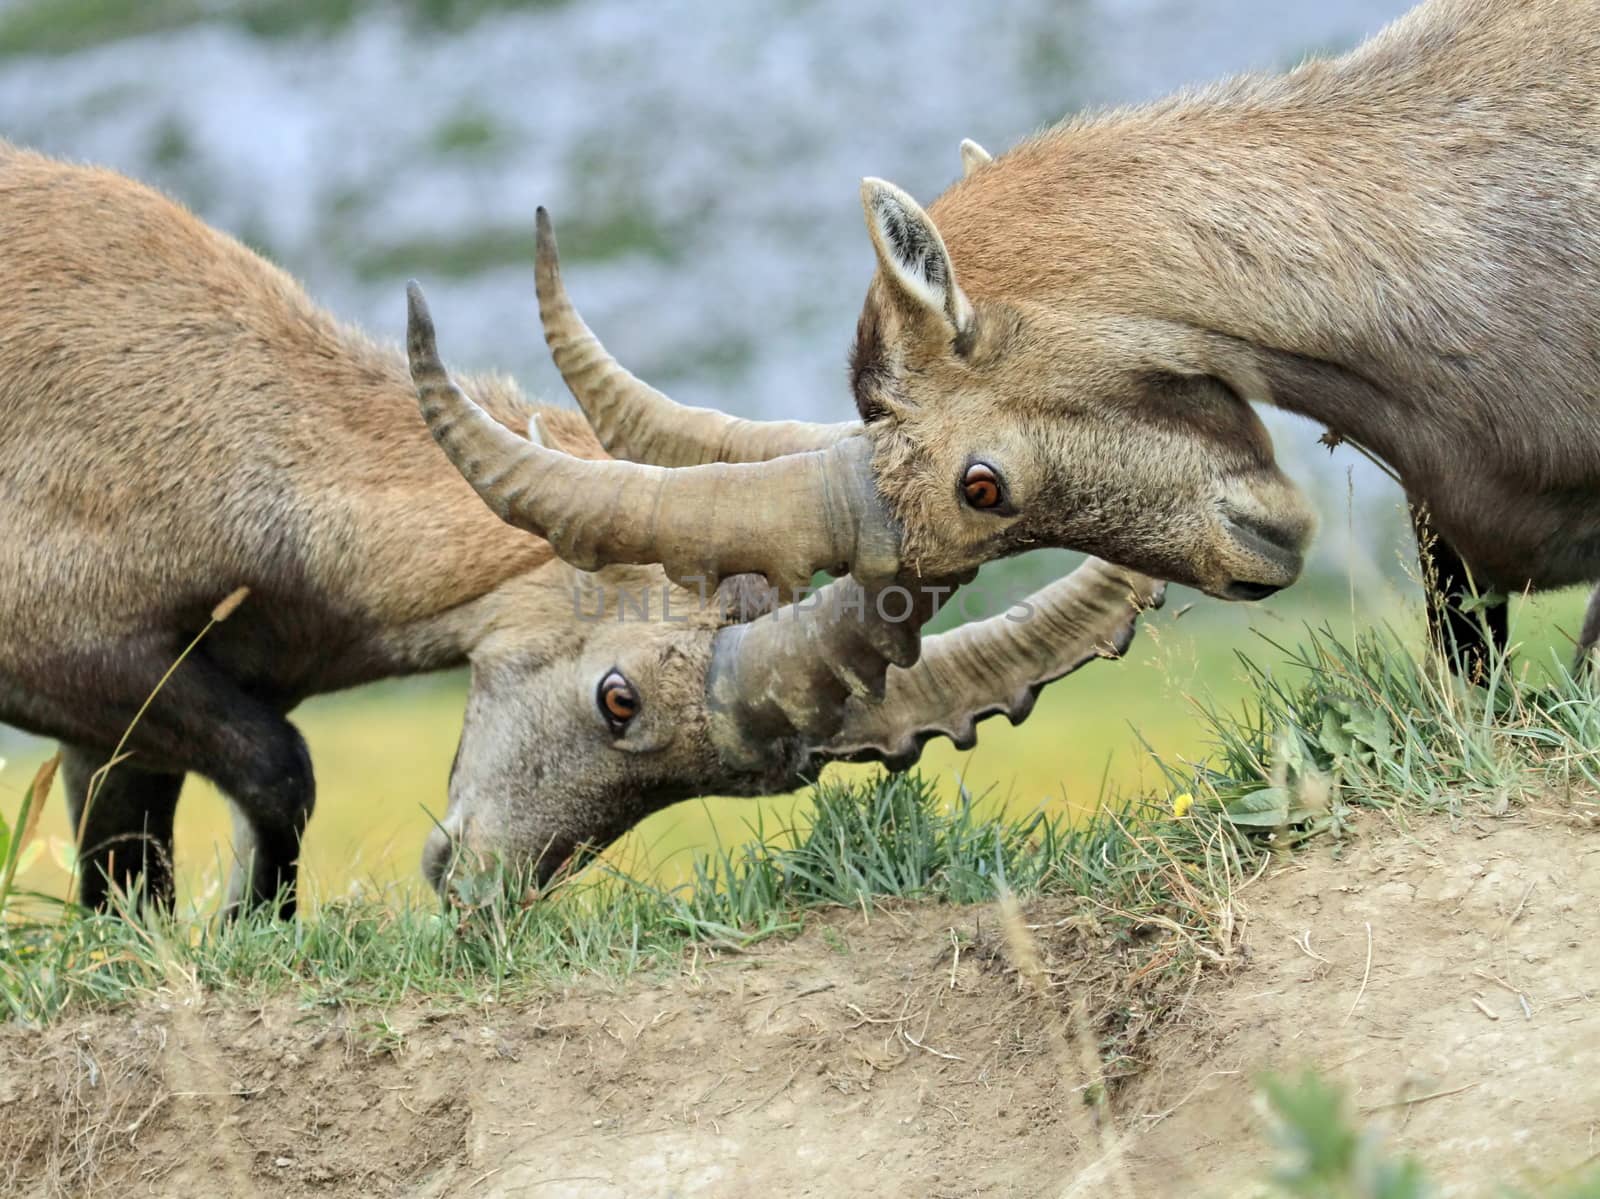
column 1369, row 721
column 1324, row 1155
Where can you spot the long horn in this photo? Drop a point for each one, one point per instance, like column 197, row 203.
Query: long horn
column 784, row 519
column 998, row 665
column 635, row 421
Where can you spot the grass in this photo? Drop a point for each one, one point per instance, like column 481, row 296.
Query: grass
column 891, row 837
column 1350, row 722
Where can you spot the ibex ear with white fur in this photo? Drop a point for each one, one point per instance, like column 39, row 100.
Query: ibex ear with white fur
column 973, row 156
column 912, row 254
column 536, row 431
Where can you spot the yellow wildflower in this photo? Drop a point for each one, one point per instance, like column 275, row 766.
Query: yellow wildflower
column 1181, row 804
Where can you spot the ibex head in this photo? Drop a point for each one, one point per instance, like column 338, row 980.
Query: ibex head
column 613, row 693
column 1004, row 423
column 988, row 426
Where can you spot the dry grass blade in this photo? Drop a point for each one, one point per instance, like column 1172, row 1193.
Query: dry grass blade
column 42, row 781
column 224, row 609
column 229, row 605
column 1366, row 974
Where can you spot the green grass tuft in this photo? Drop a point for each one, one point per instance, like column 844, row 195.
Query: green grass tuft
column 1360, row 723
column 1369, row 721
column 893, row 837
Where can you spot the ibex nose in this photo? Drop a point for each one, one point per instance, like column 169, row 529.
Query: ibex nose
column 1238, row 590
column 1266, row 556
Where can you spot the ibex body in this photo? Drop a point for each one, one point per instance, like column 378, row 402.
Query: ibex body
column 1402, row 244
column 178, row 420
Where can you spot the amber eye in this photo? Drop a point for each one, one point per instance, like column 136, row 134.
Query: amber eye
column 980, row 486
column 619, row 702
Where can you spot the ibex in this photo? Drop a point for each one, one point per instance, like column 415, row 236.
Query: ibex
column 177, row 420
column 1402, row 244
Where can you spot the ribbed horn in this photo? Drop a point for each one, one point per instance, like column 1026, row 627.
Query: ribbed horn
column 784, row 519
column 635, row 421
column 998, row 665
column 788, row 674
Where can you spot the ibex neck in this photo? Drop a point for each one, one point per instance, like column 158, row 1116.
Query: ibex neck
column 433, row 572
column 1373, row 233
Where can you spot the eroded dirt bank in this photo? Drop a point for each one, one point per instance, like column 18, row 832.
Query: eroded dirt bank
column 1448, row 975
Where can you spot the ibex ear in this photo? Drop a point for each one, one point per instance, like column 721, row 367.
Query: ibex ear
column 912, row 254
column 973, row 156
column 536, row 431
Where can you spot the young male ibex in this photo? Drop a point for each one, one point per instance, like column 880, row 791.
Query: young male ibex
column 178, row 420
column 1402, row 243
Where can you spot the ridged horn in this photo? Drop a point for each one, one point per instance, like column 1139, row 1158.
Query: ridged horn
column 784, row 519
column 635, row 421
column 789, row 673
column 998, row 665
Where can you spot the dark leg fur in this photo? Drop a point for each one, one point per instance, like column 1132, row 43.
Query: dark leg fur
column 1470, row 641
column 273, row 791
column 202, row 722
column 127, row 841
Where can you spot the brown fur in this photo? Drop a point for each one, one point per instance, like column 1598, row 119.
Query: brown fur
column 1402, row 244
column 177, row 419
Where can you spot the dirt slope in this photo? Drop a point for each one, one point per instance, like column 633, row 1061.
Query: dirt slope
column 1483, row 990
column 894, row 1054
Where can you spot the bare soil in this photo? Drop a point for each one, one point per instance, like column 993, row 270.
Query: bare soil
column 1448, row 975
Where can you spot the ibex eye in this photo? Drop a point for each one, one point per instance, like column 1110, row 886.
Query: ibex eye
column 981, row 487
column 618, row 701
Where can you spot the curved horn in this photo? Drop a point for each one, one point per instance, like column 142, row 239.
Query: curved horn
column 792, row 670
column 998, row 665
column 785, row 519
column 635, row 421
